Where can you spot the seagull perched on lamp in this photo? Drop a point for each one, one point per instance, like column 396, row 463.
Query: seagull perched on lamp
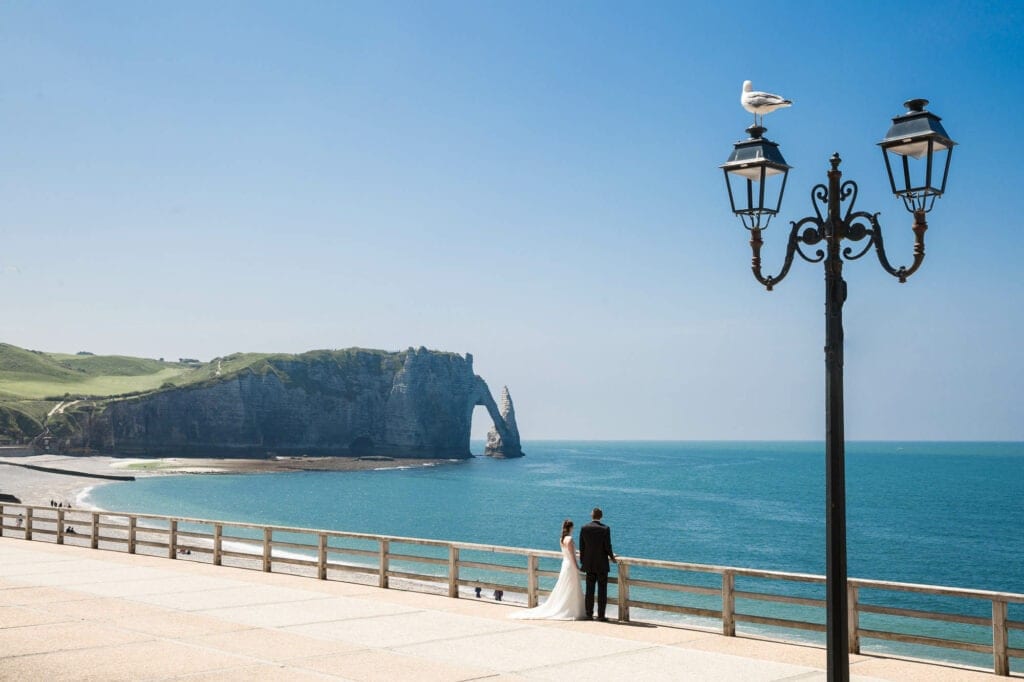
column 761, row 103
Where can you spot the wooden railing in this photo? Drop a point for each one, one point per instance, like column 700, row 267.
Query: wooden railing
column 707, row 595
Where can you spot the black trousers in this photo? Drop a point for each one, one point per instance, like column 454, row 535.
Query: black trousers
column 601, row 581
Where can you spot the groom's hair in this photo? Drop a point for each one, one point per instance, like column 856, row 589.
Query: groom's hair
column 596, row 514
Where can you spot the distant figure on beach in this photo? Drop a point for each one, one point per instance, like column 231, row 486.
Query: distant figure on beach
column 21, row 520
column 566, row 599
column 595, row 552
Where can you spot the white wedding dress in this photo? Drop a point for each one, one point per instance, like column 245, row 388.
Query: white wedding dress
column 566, row 599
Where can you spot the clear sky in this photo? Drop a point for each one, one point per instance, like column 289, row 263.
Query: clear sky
column 536, row 183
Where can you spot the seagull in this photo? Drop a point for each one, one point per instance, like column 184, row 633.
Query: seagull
column 761, row 102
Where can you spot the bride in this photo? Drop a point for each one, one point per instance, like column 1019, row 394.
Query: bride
column 566, row 599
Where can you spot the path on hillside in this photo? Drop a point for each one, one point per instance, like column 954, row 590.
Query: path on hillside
column 60, row 407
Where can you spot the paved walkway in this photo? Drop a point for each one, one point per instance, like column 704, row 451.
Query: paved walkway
column 70, row 613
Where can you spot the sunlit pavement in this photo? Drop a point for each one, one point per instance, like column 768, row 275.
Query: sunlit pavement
column 72, row 613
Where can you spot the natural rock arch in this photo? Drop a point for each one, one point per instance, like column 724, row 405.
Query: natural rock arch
column 503, row 437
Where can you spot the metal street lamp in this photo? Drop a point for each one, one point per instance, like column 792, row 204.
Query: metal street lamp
column 917, row 141
column 752, row 162
column 916, row 134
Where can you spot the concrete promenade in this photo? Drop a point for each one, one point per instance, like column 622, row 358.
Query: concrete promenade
column 70, row 613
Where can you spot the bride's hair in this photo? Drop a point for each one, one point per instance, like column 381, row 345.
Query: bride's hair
column 566, row 528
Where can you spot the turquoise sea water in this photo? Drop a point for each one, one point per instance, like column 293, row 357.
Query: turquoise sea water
column 925, row 512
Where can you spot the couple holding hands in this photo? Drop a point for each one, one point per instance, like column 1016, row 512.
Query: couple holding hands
column 567, row 601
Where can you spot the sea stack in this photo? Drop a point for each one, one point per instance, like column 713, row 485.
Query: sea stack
column 503, row 438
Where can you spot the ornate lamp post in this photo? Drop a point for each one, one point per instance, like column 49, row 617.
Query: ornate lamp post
column 914, row 147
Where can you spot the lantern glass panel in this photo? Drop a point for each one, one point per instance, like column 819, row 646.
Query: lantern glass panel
column 917, row 148
column 753, row 172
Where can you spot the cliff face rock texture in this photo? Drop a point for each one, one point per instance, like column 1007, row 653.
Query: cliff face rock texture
column 415, row 403
column 503, row 438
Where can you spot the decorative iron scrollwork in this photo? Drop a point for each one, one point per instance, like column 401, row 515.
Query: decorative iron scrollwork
column 855, row 226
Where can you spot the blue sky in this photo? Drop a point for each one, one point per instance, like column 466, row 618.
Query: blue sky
column 535, row 183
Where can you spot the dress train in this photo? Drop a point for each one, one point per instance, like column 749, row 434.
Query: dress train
column 566, row 599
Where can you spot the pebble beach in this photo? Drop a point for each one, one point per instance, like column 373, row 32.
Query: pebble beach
column 78, row 474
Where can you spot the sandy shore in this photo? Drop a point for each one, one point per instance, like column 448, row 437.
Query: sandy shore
column 40, row 487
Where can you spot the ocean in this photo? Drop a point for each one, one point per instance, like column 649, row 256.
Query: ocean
column 939, row 513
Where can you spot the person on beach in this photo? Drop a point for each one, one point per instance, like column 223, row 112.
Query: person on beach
column 595, row 552
column 566, row 599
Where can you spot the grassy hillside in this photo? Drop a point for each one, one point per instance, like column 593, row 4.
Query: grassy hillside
column 223, row 367
column 33, row 384
column 28, row 376
column 34, row 375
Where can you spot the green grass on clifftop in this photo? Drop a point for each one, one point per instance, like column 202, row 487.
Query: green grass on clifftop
column 34, row 375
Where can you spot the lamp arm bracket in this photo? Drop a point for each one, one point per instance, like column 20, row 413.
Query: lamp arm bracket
column 809, row 235
column 902, row 272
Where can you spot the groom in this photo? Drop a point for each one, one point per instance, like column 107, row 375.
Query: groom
column 595, row 551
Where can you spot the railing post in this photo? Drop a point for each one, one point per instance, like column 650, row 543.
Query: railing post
column 2, row 520
column 28, row 523
column 131, row 534
column 267, row 534
column 94, row 531
column 531, row 580
column 623, row 591
column 321, row 557
column 453, row 571
column 853, row 617
column 383, row 563
column 60, row 526
column 1000, row 639
column 172, row 540
column 218, row 531
column 728, row 603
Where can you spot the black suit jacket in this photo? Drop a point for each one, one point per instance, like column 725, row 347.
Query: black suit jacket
column 595, row 547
